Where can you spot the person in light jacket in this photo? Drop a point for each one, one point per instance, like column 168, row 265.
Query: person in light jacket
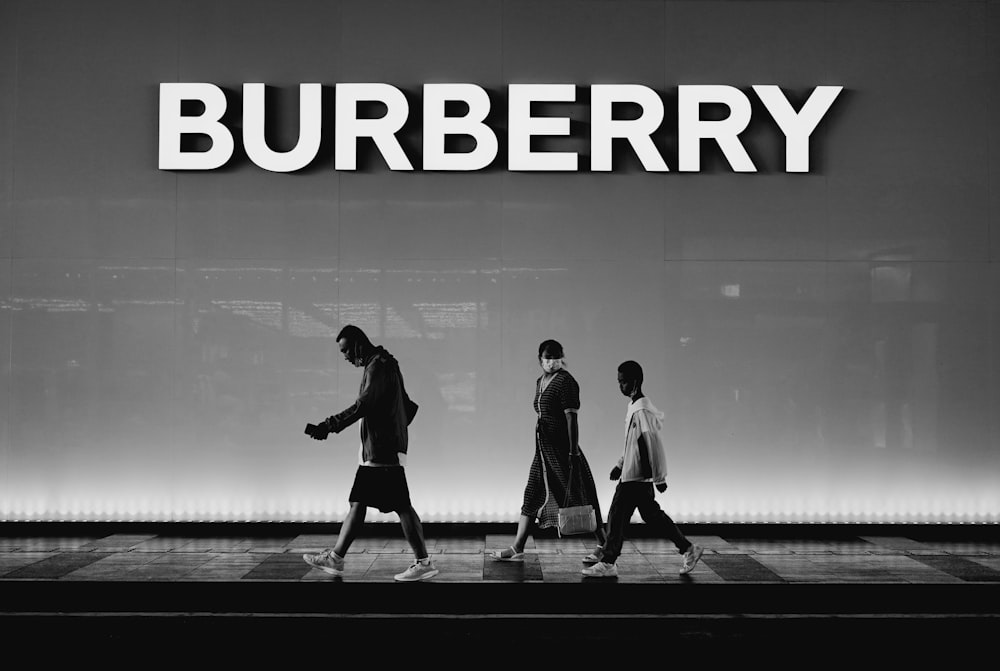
column 641, row 467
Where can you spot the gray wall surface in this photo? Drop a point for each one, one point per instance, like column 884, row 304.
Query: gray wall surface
column 824, row 345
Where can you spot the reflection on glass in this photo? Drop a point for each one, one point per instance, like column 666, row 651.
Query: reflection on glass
column 810, row 391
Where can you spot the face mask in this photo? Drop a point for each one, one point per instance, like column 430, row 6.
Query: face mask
column 551, row 365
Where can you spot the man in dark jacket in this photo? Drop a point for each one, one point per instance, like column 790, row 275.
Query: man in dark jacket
column 385, row 411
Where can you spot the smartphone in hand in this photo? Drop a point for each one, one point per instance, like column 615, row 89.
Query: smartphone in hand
column 316, row 432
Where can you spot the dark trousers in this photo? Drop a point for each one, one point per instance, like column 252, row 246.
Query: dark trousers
column 628, row 497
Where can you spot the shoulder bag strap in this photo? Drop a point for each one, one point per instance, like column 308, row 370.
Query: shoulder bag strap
column 569, row 481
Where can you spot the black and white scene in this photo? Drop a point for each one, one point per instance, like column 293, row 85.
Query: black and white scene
column 500, row 332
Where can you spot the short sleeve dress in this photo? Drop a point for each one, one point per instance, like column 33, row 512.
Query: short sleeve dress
column 548, row 478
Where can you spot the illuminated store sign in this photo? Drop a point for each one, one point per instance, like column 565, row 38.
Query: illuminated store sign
column 796, row 126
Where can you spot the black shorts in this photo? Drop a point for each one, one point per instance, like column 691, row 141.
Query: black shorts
column 382, row 487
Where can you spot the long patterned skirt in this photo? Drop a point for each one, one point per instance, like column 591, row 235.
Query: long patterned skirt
column 548, row 481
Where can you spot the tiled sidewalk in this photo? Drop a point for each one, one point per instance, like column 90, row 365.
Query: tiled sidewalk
column 152, row 557
column 238, row 596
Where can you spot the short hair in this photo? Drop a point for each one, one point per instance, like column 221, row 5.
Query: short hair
column 354, row 335
column 553, row 346
column 631, row 370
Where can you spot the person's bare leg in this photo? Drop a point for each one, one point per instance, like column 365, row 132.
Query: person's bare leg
column 349, row 529
column 523, row 527
column 413, row 530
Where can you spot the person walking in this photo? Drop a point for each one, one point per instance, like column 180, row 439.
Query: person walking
column 557, row 454
column 641, row 467
column 385, row 411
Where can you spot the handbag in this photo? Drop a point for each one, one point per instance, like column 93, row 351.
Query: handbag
column 575, row 519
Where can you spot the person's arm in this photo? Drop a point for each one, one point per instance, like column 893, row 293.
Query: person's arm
column 372, row 390
column 570, row 399
column 616, row 472
column 574, row 432
column 651, row 452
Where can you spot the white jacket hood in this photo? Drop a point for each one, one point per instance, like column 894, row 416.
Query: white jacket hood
column 645, row 404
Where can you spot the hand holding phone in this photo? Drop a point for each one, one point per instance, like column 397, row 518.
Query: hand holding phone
column 317, row 432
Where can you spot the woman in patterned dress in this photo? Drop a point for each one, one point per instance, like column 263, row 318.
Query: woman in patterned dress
column 557, row 448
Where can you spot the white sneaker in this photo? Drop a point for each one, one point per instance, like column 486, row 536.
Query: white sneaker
column 326, row 562
column 691, row 558
column 594, row 557
column 601, row 570
column 418, row 571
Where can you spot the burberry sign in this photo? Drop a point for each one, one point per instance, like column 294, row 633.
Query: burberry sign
column 734, row 109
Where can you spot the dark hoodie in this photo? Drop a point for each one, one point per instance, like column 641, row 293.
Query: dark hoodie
column 383, row 407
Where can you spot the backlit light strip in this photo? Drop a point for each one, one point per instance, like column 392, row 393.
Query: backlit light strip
column 966, row 511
